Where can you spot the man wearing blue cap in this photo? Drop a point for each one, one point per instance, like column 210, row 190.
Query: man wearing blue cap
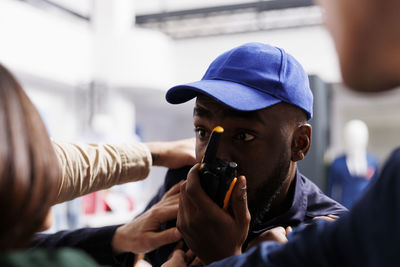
column 260, row 95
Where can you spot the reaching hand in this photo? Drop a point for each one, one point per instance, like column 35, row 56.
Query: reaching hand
column 329, row 218
column 277, row 234
column 174, row 154
column 209, row 231
column 179, row 258
column 142, row 234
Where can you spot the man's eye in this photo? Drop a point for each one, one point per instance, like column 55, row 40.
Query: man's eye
column 201, row 133
column 246, row 137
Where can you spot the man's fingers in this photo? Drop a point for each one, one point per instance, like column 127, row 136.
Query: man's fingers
column 193, row 179
column 193, row 201
column 171, row 200
column 193, row 190
column 168, row 236
column 277, row 234
column 329, row 218
column 173, row 190
column 179, row 245
column 168, row 212
column 177, row 253
column 239, row 203
column 190, row 256
column 196, row 261
column 335, row 217
column 288, row 230
column 177, row 259
column 183, row 218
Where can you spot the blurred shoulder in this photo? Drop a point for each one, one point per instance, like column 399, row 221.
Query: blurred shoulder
column 41, row 257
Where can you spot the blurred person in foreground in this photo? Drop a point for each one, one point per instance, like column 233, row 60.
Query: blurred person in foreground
column 367, row 37
column 29, row 177
column 30, row 184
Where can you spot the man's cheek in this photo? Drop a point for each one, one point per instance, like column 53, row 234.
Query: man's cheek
column 251, row 183
column 200, row 150
column 251, row 196
column 256, row 176
column 199, row 157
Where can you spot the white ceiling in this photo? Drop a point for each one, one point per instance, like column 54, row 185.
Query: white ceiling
column 156, row 6
column 83, row 7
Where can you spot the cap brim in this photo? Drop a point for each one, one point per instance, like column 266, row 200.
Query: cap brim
column 234, row 95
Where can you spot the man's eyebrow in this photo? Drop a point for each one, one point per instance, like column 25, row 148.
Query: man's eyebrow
column 250, row 115
column 201, row 112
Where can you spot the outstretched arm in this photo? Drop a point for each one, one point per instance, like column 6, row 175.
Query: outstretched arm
column 86, row 168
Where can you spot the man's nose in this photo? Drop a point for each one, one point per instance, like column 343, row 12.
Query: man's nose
column 223, row 151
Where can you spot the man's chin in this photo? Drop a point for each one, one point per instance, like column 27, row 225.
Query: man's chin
column 259, row 210
column 259, row 214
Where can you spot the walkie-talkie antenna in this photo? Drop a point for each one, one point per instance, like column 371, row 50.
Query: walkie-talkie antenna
column 211, row 152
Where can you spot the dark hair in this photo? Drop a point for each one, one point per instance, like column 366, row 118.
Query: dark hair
column 29, row 170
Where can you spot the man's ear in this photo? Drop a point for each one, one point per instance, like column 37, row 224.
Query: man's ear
column 301, row 142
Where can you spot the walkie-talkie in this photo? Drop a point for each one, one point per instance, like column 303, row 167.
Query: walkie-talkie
column 217, row 177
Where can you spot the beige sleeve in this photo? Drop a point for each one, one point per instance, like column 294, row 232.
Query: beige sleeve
column 87, row 168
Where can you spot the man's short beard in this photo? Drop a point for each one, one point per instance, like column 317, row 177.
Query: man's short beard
column 267, row 192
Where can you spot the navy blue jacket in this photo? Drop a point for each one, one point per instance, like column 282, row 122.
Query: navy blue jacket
column 308, row 202
column 368, row 235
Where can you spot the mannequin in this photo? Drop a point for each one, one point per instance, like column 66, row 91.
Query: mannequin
column 350, row 173
column 356, row 142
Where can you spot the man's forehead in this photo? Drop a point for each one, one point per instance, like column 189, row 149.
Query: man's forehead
column 206, row 101
column 208, row 107
column 207, row 104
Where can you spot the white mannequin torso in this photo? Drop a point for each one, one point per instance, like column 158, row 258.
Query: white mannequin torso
column 356, row 141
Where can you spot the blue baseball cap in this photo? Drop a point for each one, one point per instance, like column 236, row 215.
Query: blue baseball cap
column 250, row 77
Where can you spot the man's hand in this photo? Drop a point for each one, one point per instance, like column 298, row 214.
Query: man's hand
column 174, row 154
column 277, row 234
column 179, row 258
column 142, row 234
column 209, row 231
column 329, row 218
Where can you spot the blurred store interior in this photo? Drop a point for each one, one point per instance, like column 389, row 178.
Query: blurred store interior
column 98, row 70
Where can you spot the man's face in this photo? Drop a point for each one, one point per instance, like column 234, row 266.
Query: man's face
column 258, row 141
